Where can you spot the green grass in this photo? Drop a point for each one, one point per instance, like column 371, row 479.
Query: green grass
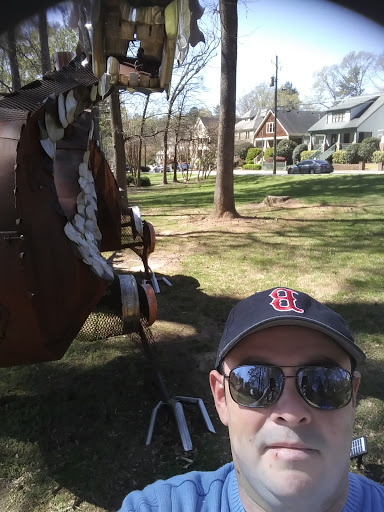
column 72, row 432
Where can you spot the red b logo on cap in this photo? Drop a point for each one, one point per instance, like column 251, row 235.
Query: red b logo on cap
column 283, row 300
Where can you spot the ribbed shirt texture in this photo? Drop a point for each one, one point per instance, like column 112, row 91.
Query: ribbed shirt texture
column 217, row 491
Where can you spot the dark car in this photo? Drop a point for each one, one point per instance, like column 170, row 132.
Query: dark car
column 311, row 167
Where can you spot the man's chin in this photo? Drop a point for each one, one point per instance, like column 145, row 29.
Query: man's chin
column 292, row 482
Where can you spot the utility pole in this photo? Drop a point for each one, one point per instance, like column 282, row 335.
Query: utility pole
column 274, row 83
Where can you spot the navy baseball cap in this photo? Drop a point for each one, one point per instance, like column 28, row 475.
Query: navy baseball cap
column 283, row 306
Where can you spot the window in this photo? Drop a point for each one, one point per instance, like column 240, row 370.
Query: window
column 347, row 138
column 270, row 127
column 337, row 117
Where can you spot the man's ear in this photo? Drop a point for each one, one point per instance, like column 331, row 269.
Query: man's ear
column 355, row 384
column 217, row 382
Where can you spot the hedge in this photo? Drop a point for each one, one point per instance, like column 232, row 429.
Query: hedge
column 251, row 154
column 338, row 157
column 367, row 147
column 297, row 152
column 352, row 153
column 378, row 156
column 251, row 167
column 304, row 155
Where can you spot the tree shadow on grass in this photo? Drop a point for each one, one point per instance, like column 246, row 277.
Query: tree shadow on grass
column 85, row 420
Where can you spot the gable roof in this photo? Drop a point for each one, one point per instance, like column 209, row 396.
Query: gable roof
column 348, row 103
column 294, row 122
column 210, row 121
column 322, row 125
column 244, row 125
column 298, row 121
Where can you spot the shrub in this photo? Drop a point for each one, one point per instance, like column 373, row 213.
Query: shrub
column 237, row 161
column 251, row 154
column 145, row 168
column 304, row 155
column 338, row 157
column 297, row 151
column 252, row 167
column 378, row 156
column 352, row 154
column 285, row 148
column 130, row 179
column 367, row 147
column 241, row 148
column 268, row 152
column 145, row 181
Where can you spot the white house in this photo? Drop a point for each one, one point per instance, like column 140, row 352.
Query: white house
column 246, row 126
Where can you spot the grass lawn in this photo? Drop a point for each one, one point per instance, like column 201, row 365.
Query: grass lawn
column 72, row 432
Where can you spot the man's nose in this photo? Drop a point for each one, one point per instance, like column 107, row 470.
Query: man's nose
column 291, row 409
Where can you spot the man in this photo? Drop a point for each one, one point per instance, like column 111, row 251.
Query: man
column 285, row 384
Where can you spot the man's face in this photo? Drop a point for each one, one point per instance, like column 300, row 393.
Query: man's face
column 288, row 456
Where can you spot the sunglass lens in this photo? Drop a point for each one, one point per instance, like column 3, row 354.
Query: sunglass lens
column 325, row 388
column 256, row 385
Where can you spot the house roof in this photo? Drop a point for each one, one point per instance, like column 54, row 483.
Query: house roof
column 322, row 125
column 210, row 122
column 295, row 122
column 298, row 121
column 250, row 114
column 244, row 125
column 348, row 103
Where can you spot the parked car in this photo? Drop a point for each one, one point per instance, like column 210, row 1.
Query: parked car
column 159, row 168
column 313, row 166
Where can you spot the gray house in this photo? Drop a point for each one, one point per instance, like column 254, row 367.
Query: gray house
column 351, row 120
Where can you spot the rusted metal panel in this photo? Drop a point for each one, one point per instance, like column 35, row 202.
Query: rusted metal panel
column 46, row 290
column 7, row 184
column 108, row 202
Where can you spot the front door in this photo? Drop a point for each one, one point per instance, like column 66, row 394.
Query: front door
column 333, row 138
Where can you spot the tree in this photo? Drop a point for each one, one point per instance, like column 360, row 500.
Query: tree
column 346, row 79
column 118, row 145
column 12, row 58
column 377, row 77
column 259, row 98
column 262, row 97
column 44, row 45
column 186, row 78
column 24, row 49
column 288, row 97
column 241, row 148
column 144, row 118
column 224, row 197
column 285, row 148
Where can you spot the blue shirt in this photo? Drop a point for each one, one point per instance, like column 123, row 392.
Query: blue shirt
column 217, row 491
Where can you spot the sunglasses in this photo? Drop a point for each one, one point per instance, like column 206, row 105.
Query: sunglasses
column 261, row 385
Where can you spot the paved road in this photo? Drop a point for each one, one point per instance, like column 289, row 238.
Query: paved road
column 240, row 172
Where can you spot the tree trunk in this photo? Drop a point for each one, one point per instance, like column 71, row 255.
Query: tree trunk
column 165, row 182
column 224, row 198
column 44, row 47
column 138, row 183
column 118, row 145
column 175, row 156
column 12, row 56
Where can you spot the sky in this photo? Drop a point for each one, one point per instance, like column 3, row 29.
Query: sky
column 305, row 35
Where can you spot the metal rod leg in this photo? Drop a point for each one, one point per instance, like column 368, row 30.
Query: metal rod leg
column 152, row 422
